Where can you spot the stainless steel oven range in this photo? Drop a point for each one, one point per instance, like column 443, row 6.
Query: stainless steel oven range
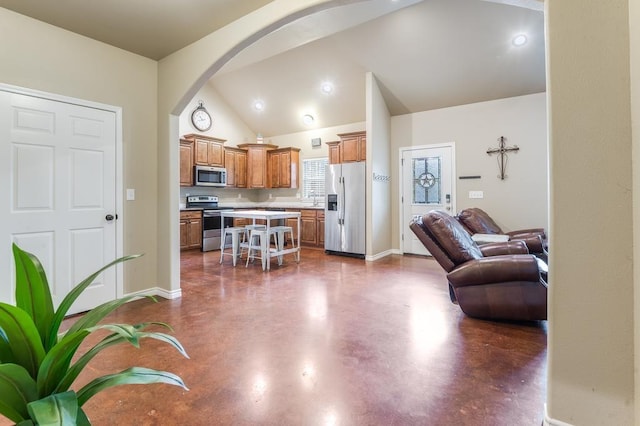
column 211, row 221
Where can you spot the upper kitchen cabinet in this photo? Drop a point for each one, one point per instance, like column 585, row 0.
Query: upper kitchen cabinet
column 353, row 146
column 186, row 162
column 257, row 164
column 235, row 161
column 208, row 151
column 284, row 167
column 334, row 152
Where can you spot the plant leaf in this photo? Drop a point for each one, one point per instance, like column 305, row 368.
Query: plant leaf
column 75, row 293
column 32, row 291
column 56, row 363
column 17, row 389
column 131, row 376
column 23, row 338
column 60, row 409
column 95, row 315
column 108, row 341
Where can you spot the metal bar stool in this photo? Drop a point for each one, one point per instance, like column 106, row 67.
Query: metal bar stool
column 279, row 236
column 235, row 232
column 258, row 240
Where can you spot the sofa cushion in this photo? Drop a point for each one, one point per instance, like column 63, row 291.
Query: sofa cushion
column 451, row 236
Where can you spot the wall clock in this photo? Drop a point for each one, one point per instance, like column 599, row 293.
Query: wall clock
column 201, row 119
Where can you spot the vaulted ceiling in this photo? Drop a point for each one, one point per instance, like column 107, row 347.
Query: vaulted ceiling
column 425, row 54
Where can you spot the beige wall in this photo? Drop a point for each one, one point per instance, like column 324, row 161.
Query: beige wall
column 43, row 57
column 519, row 201
column 379, row 228
column 591, row 312
column 634, row 23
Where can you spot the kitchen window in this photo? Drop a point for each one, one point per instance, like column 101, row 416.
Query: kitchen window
column 313, row 177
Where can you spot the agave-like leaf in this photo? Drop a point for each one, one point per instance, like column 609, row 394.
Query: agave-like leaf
column 56, row 362
column 66, row 303
column 130, row 376
column 17, row 389
column 32, row 292
column 60, row 409
column 6, row 354
column 23, row 338
column 108, row 341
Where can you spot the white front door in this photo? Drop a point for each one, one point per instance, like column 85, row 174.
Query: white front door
column 57, row 186
column 427, row 184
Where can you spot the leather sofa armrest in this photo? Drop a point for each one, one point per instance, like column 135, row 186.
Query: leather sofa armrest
column 497, row 269
column 521, row 233
column 533, row 242
column 510, row 247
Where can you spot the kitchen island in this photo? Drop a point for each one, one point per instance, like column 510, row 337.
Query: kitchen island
column 268, row 216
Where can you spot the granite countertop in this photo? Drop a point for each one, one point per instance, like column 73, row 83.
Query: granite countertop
column 251, row 206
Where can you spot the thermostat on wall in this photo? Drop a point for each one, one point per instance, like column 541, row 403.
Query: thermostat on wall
column 316, row 142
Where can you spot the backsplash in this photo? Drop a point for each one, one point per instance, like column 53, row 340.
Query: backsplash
column 250, row 197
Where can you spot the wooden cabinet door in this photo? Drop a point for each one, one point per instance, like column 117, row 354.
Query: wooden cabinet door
column 308, row 224
column 274, row 170
column 195, row 233
column 257, row 164
column 201, row 156
column 320, row 229
column 284, row 169
column 186, row 163
column 230, row 165
column 241, row 169
column 293, row 223
column 334, row 152
column 215, row 154
column 363, row 147
column 350, row 149
column 184, row 234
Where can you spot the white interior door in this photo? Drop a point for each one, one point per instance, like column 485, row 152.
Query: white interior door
column 427, row 184
column 57, row 186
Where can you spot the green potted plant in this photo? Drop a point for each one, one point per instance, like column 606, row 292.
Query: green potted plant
column 36, row 368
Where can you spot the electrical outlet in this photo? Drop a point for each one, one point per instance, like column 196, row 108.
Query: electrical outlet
column 131, row 194
column 270, row 196
column 239, row 195
column 476, row 194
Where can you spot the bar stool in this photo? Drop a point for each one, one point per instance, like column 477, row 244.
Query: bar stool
column 236, row 233
column 279, row 236
column 258, row 240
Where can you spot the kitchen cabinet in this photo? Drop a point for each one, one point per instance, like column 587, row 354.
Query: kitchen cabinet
column 257, row 165
column 208, row 151
column 334, row 152
column 186, row 162
column 284, row 168
column 351, row 147
column 190, row 230
column 320, row 228
column 235, row 161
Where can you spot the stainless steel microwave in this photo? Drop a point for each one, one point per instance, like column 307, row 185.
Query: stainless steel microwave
column 209, row 176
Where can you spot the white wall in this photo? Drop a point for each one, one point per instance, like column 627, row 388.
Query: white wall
column 519, row 201
column 379, row 229
column 42, row 57
column 591, row 311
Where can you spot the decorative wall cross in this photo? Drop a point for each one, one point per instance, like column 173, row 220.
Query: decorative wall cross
column 502, row 150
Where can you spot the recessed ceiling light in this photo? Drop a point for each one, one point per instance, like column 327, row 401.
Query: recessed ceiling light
column 326, row 87
column 258, row 105
column 519, row 40
column 308, row 119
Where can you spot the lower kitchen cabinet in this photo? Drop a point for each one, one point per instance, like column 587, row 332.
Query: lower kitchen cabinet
column 312, row 227
column 320, row 228
column 190, row 230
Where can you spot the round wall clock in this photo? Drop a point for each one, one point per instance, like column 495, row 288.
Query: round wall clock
column 201, row 119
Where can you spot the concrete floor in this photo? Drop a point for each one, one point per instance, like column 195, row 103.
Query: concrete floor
column 329, row 341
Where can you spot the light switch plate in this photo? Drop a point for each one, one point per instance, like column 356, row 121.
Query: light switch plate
column 131, row 194
column 476, row 194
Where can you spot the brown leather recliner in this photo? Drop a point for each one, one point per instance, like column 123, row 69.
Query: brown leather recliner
column 477, row 221
column 488, row 281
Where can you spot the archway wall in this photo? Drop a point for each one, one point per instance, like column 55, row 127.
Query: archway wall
column 591, row 309
column 180, row 76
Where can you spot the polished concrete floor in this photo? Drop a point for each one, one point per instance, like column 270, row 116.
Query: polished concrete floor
column 328, row 341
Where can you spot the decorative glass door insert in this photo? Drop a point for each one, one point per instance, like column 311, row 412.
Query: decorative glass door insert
column 427, row 177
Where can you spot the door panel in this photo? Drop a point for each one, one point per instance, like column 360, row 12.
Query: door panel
column 57, row 177
column 427, row 184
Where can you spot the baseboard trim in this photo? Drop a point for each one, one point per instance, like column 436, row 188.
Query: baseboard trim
column 379, row 255
column 156, row 291
column 548, row 421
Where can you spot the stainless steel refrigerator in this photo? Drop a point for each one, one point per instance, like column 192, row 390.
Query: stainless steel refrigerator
column 344, row 211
